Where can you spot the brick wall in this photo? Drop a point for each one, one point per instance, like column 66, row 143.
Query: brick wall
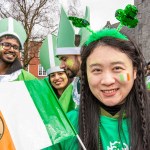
column 33, row 65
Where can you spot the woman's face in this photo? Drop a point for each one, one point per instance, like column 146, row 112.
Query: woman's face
column 59, row 80
column 110, row 75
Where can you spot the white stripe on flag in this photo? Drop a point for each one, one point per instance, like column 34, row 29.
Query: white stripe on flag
column 23, row 120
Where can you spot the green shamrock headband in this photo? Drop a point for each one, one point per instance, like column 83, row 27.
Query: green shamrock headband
column 127, row 17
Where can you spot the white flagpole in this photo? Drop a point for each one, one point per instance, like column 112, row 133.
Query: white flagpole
column 81, row 142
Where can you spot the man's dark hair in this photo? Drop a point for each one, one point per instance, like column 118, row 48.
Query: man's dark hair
column 10, row 36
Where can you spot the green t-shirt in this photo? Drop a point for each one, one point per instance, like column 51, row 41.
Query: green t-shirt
column 108, row 132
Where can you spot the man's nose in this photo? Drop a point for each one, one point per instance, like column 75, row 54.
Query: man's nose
column 62, row 65
column 56, row 76
column 12, row 49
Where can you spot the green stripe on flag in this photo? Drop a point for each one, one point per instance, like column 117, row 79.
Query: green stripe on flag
column 121, row 77
column 66, row 100
column 53, row 116
column 22, row 118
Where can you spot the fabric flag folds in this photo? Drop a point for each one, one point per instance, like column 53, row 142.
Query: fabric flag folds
column 33, row 115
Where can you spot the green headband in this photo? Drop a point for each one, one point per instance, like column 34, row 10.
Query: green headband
column 106, row 32
column 127, row 17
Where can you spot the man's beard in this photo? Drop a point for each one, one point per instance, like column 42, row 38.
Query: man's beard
column 6, row 61
column 71, row 74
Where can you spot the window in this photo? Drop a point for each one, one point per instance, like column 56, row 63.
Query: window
column 41, row 71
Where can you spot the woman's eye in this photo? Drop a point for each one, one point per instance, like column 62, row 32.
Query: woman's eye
column 118, row 68
column 52, row 75
column 96, row 70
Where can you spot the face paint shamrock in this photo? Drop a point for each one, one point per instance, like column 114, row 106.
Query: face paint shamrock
column 69, row 62
column 127, row 17
column 1, row 47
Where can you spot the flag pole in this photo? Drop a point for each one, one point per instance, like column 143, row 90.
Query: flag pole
column 80, row 141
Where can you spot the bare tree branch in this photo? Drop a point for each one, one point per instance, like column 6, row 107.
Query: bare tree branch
column 39, row 18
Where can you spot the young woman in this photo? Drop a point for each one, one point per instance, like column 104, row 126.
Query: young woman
column 114, row 106
column 59, row 82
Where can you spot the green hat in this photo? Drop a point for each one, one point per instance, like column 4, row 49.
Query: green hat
column 10, row 26
column 84, row 33
column 66, row 36
column 47, row 55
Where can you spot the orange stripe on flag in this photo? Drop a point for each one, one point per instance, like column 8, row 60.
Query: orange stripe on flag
column 128, row 76
column 5, row 138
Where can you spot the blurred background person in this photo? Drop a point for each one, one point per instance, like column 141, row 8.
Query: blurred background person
column 57, row 77
column 68, row 50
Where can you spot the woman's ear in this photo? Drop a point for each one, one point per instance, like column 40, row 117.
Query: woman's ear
column 134, row 72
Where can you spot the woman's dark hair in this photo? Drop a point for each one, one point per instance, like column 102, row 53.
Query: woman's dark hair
column 135, row 107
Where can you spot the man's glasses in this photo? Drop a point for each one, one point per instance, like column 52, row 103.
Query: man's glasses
column 7, row 46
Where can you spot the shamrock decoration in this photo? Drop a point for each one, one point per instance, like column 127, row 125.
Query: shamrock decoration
column 127, row 17
column 79, row 22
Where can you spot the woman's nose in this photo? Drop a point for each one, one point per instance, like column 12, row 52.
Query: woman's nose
column 107, row 79
column 57, row 76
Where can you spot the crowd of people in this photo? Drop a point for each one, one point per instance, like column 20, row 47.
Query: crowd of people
column 106, row 74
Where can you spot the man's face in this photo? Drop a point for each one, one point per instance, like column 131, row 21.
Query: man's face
column 8, row 50
column 71, row 65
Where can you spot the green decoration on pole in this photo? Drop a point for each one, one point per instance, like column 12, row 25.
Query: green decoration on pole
column 79, row 22
column 127, row 17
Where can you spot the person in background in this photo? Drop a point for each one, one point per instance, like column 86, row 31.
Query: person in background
column 68, row 50
column 59, row 82
column 12, row 38
column 57, row 77
column 147, row 70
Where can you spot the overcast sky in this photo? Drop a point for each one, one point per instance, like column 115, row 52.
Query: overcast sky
column 102, row 11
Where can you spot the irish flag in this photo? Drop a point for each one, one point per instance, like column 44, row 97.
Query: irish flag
column 30, row 116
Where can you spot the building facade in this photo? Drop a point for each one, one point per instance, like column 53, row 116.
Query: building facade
column 34, row 66
column 142, row 31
